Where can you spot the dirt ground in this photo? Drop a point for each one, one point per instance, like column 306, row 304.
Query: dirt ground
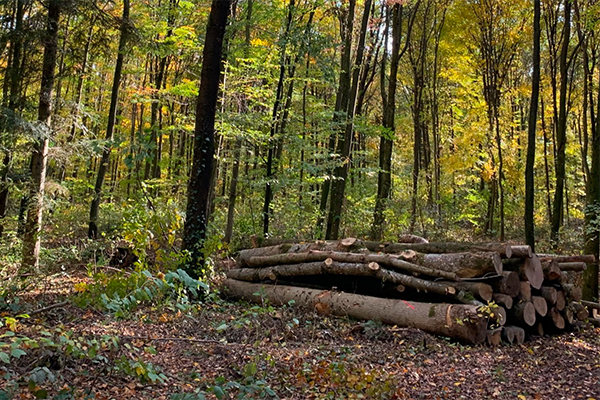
column 232, row 350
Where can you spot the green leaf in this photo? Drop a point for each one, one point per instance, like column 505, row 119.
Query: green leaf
column 218, row 391
column 4, row 357
column 17, row 353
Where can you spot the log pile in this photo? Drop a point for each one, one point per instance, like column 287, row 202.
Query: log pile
column 471, row 292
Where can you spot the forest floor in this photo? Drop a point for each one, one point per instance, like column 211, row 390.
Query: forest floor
column 223, row 349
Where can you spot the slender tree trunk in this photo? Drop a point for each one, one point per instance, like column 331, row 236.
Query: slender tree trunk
column 561, row 132
column 39, row 158
column 532, row 124
column 112, row 117
column 200, row 185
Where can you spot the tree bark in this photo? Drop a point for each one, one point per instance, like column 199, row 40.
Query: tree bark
column 453, row 320
column 39, row 158
column 199, row 187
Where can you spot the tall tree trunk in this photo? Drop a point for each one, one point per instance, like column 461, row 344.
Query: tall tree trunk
column 561, row 132
column 199, row 188
column 532, row 124
column 112, row 117
column 338, row 186
column 39, row 157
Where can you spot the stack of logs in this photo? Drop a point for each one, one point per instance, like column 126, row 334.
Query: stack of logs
column 470, row 292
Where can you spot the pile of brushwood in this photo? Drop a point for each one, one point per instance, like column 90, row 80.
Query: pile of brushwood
column 470, row 292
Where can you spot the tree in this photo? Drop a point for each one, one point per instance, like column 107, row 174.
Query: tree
column 532, row 124
column 199, row 186
column 39, row 157
column 112, row 119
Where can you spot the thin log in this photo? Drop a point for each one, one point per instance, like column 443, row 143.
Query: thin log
column 524, row 312
column 572, row 266
column 504, row 300
column 347, row 269
column 457, row 321
column 590, row 304
column 595, row 322
column 285, row 248
column 523, row 251
column 540, row 304
column 586, row 258
column 464, row 265
column 504, row 250
column 508, row 283
column 494, row 336
column 481, row 290
column 319, row 255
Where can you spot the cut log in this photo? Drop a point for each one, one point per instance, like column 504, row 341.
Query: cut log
column 412, row 239
column 523, row 251
column 557, row 318
column 347, row 269
column 503, row 250
column 538, row 329
column 532, row 269
column 513, row 334
column 586, row 258
column 480, row 290
column 457, row 321
column 319, row 255
column 464, row 265
column 540, row 304
column 551, row 270
column 573, row 292
column 504, row 300
column 500, row 316
column 550, row 294
column 561, row 300
column 524, row 311
column 568, row 315
column 580, row 311
column 572, row 266
column 508, row 283
column 524, row 291
column 494, row 336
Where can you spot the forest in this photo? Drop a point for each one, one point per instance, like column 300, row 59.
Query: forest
column 143, row 144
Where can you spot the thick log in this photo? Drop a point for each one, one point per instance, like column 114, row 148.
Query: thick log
column 540, row 304
column 557, row 318
column 480, row 290
column 319, row 255
column 513, row 334
column 533, row 271
column 573, row 292
column 348, row 269
column 504, row 300
column 508, row 283
column 523, row 251
column 499, row 315
column 586, row 258
column 568, row 315
column 524, row 291
column 503, row 250
column 494, row 336
column 551, row 270
column 464, row 265
column 524, row 311
column 572, row 266
column 550, row 294
column 561, row 300
column 457, row 321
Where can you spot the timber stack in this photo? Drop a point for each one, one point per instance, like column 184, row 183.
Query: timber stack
column 474, row 293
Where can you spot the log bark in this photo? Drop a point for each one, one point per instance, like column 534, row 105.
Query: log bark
column 524, row 312
column 505, row 251
column 575, row 266
column 457, row 321
column 508, row 283
column 504, row 300
column 521, row 251
column 540, row 304
column 464, row 265
column 349, row 269
column 590, row 304
column 586, row 258
column 494, row 336
column 319, row 255
column 283, row 248
column 481, row 290
column 524, row 291
column 572, row 291
column 551, row 270
column 550, row 294
column 581, row 313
